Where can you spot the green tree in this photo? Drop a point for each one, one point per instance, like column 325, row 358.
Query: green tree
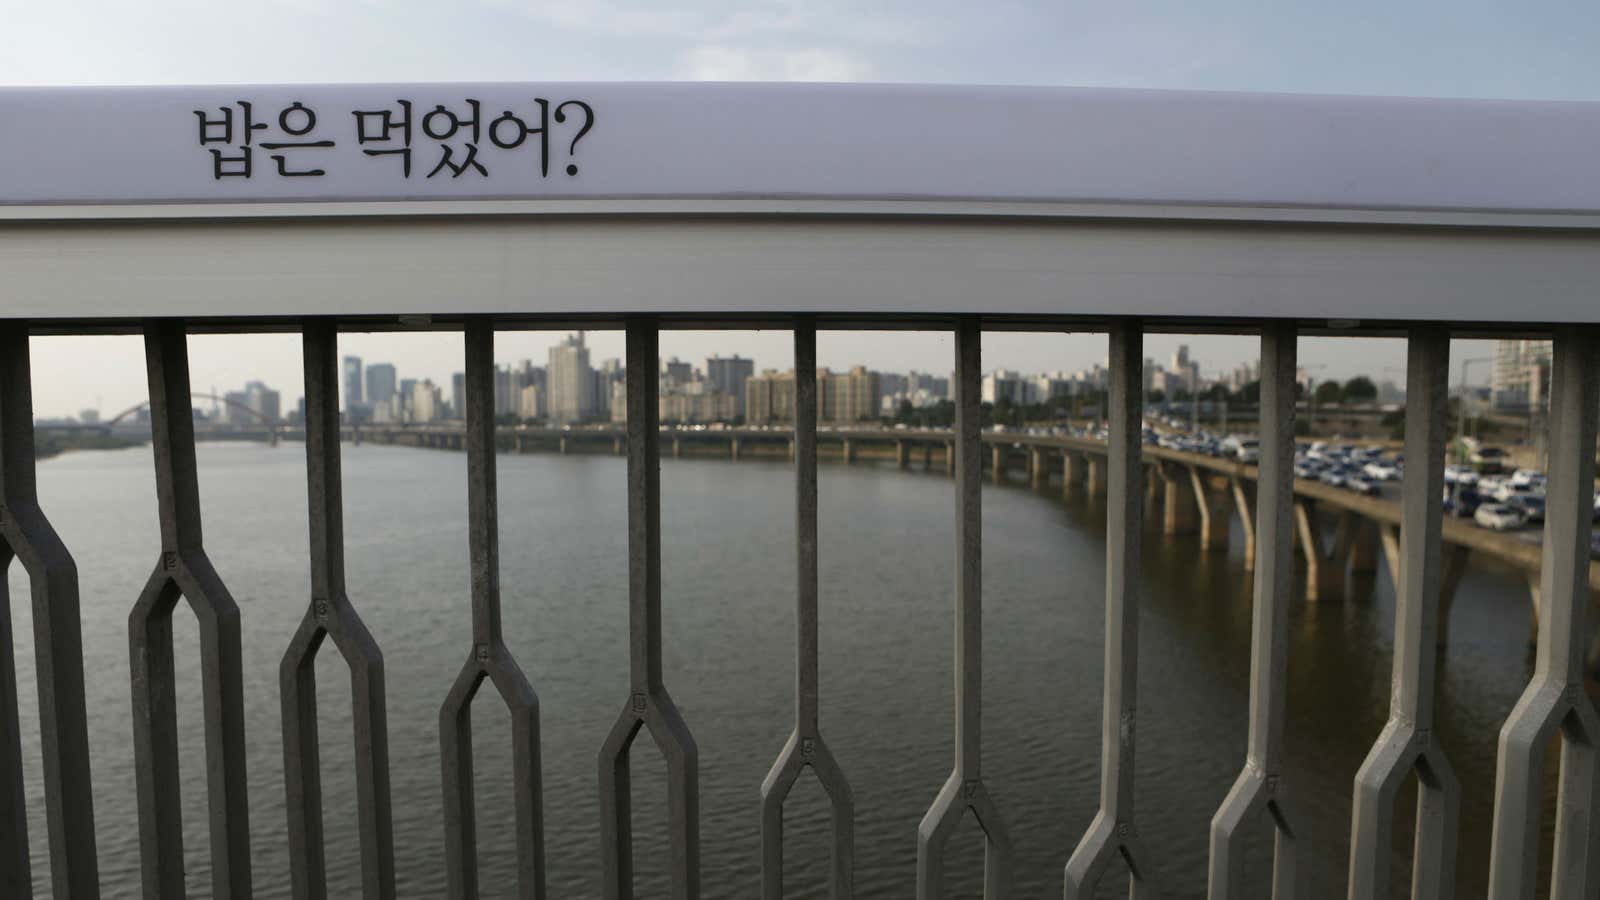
column 1360, row 389
column 1329, row 392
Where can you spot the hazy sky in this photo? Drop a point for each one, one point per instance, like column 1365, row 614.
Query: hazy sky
column 1539, row 49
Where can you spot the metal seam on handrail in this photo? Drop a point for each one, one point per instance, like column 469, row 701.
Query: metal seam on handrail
column 1259, row 788
column 1555, row 700
column 1112, row 832
column 330, row 614
column 185, row 570
column 1407, row 741
column 806, row 746
column 649, row 705
column 27, row 534
column 489, row 658
column 965, row 789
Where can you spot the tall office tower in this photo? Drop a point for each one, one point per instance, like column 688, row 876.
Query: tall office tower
column 570, row 382
column 729, row 374
column 381, row 387
column 458, row 395
column 354, row 399
column 264, row 401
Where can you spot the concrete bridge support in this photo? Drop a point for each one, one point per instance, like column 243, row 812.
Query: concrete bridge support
column 1181, row 514
column 1097, row 476
column 1037, row 473
column 1325, row 568
column 900, row 458
column 949, row 459
column 563, row 446
column 1244, row 499
column 677, row 448
column 733, row 449
column 1072, row 471
column 849, row 452
column 927, row 457
column 998, row 468
column 791, row 449
column 616, row 446
column 1214, row 508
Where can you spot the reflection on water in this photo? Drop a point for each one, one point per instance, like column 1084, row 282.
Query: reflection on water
column 728, row 586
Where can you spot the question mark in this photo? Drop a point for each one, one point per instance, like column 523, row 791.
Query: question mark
column 588, row 123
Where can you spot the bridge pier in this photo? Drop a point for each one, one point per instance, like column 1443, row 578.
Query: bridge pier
column 949, row 459
column 563, row 445
column 733, row 449
column 900, row 459
column 1180, row 513
column 849, row 452
column 677, row 448
column 1324, row 568
column 1037, row 472
column 1213, row 507
column 1245, row 501
column 1364, row 547
column 1097, row 476
column 616, row 446
column 791, row 449
column 998, row 467
column 1072, row 470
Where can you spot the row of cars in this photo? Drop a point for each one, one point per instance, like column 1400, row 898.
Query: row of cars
column 1359, row 469
column 1499, row 502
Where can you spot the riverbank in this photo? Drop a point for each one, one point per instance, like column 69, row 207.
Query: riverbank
column 46, row 446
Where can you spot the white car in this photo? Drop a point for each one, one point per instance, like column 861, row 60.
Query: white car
column 1460, row 475
column 1381, row 470
column 1498, row 516
column 1527, row 476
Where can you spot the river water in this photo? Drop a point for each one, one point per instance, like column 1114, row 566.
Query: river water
column 728, row 556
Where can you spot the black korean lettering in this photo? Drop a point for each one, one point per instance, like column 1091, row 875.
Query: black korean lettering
column 509, row 131
column 297, row 120
column 384, row 126
column 469, row 161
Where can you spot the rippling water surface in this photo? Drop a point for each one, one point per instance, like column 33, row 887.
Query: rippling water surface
column 728, row 592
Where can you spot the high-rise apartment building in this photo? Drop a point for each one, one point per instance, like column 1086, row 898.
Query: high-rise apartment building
column 728, row 375
column 263, row 401
column 570, row 381
column 1521, row 376
column 427, row 402
column 769, row 397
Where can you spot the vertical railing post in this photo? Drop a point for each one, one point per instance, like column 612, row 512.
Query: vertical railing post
column 488, row 658
column 58, row 640
column 185, row 571
column 1555, row 700
column 965, row 790
column 1259, row 787
column 806, row 746
column 1408, row 741
column 330, row 614
column 1112, row 832
column 649, row 705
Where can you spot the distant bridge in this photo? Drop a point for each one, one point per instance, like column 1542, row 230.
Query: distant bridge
column 1194, row 493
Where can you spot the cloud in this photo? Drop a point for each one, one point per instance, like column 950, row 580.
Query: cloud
column 725, row 63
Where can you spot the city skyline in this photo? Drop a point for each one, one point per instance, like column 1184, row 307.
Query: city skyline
column 106, row 373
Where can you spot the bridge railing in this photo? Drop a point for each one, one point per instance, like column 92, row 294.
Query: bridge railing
column 1555, row 700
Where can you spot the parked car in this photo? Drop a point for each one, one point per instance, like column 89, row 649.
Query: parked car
column 1247, row 450
column 1488, row 459
column 1459, row 475
column 1461, row 502
column 1530, row 505
column 1381, row 470
column 1363, row 486
column 1498, row 516
column 1332, row 478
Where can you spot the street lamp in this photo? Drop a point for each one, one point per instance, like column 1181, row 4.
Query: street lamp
column 1461, row 402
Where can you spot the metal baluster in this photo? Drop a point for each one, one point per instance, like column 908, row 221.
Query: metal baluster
column 489, row 658
column 649, row 705
column 806, row 746
column 1259, row 787
column 185, row 571
column 331, row 614
column 1555, row 699
column 1112, row 832
column 1407, row 741
column 26, row 534
column 964, row 789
